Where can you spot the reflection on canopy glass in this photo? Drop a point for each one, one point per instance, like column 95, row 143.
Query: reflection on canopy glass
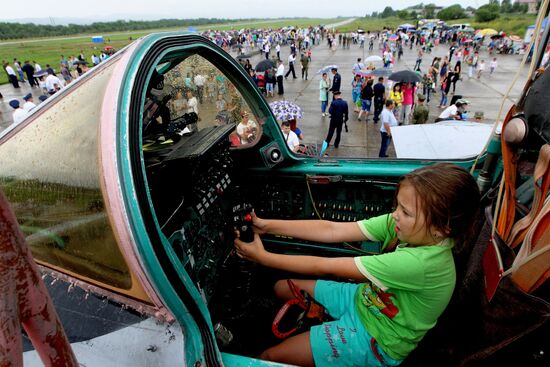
column 186, row 96
column 53, row 186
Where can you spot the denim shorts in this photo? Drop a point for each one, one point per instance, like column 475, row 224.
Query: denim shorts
column 344, row 341
column 365, row 104
column 269, row 87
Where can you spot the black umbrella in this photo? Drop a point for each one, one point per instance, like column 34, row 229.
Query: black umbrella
column 264, row 65
column 80, row 62
column 405, row 76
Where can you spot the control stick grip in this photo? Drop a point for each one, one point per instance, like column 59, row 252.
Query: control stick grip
column 242, row 220
column 246, row 232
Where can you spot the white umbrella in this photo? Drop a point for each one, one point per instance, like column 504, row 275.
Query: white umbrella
column 374, row 58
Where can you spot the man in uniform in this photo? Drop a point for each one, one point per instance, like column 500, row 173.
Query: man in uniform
column 421, row 111
column 338, row 116
column 336, row 82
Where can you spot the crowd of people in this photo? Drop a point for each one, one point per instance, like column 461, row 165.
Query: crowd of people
column 370, row 93
column 47, row 80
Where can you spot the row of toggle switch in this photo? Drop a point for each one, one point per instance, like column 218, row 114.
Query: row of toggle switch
column 369, row 208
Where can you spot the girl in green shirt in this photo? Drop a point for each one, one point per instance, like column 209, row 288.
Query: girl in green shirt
column 391, row 300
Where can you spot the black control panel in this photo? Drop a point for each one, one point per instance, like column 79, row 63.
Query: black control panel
column 342, row 201
column 191, row 189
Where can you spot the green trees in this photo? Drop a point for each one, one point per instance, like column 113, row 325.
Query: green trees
column 452, row 12
column 387, row 12
column 487, row 12
column 429, row 11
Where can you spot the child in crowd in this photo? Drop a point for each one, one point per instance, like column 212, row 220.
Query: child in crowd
column 384, row 304
column 480, row 68
column 493, row 65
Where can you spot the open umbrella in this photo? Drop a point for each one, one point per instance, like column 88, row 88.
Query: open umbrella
column 364, row 72
column 80, row 62
column 468, row 40
column 487, row 32
column 515, row 38
column 393, row 37
column 374, row 58
column 405, row 76
column 385, row 72
column 264, row 65
column 40, row 73
column 286, row 110
column 326, row 69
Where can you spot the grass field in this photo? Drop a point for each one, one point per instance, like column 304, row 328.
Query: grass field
column 48, row 51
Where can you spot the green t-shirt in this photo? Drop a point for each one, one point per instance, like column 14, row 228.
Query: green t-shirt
column 406, row 290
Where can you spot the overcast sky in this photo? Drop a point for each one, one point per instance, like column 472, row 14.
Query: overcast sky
column 157, row 9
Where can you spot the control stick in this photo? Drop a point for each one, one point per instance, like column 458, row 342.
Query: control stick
column 242, row 218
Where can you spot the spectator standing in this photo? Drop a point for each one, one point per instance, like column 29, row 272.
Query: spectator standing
column 366, row 99
column 291, row 61
column 270, row 81
column 304, row 61
column 339, row 114
column 427, row 84
column 323, row 93
column 473, row 64
column 456, row 74
column 29, row 70
column 480, row 68
column 357, row 67
column 65, row 74
column 279, row 75
column 356, row 86
column 12, row 77
column 17, row 66
column 421, row 111
column 199, row 81
column 493, row 65
column 37, row 67
column 388, row 121
column 278, row 50
column 336, row 82
column 396, row 95
column 444, row 88
column 379, row 98
column 409, row 91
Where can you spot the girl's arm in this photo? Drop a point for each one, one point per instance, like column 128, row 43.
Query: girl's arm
column 311, row 230
column 341, row 267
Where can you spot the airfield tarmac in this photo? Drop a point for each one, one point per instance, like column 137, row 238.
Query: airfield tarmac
column 363, row 139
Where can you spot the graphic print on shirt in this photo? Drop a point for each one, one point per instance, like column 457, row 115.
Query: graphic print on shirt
column 377, row 301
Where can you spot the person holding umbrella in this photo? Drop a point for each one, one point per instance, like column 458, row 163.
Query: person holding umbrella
column 323, row 93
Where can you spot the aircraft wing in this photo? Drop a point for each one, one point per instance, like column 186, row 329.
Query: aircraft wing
column 442, row 140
